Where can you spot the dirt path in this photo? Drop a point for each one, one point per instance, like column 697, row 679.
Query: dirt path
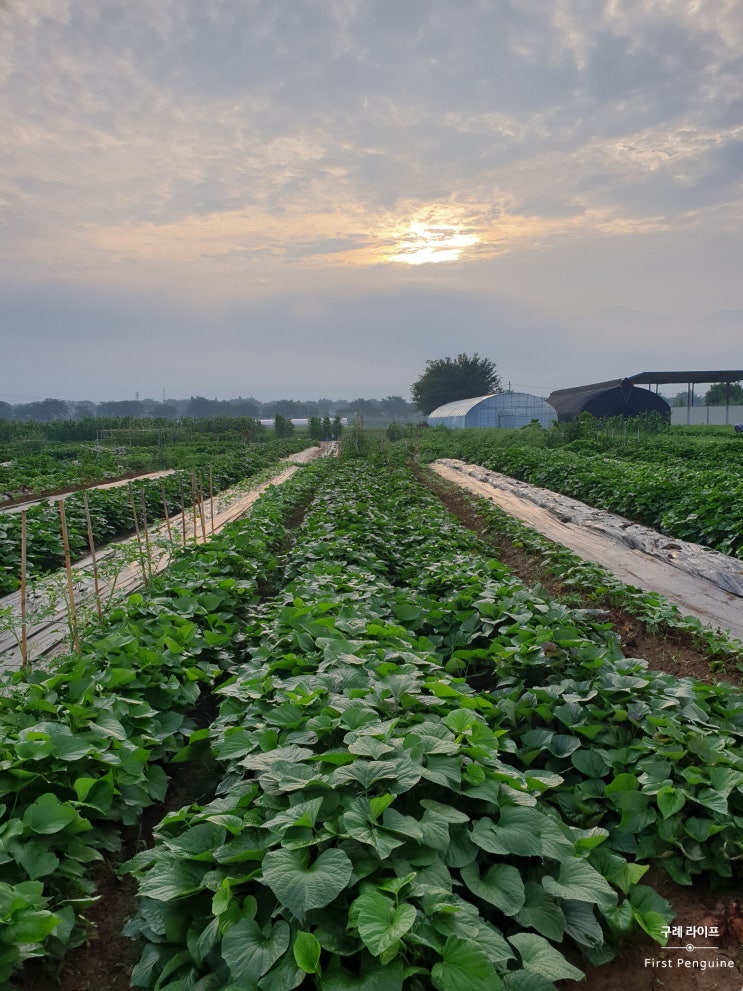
column 700, row 582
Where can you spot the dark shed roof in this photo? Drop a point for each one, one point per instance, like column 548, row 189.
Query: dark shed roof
column 618, row 397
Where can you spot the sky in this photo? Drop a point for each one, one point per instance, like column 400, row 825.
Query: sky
column 306, row 198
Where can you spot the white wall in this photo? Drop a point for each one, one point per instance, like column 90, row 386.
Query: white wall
column 706, row 414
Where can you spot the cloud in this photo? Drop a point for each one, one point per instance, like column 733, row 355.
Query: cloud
column 190, row 156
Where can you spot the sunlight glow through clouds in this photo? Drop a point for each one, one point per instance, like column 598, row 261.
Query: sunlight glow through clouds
column 252, row 244
column 423, row 244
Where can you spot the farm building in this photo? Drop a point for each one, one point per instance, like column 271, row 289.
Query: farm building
column 619, row 397
column 499, row 409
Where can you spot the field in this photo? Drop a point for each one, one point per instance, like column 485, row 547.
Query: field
column 345, row 744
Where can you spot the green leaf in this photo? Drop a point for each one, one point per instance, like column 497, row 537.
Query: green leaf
column 370, row 746
column 540, row 957
column 302, row 814
column 621, row 783
column 579, row 881
column 198, row 842
column 302, row 887
column 33, row 927
column 69, row 746
column 655, row 925
column 380, row 923
column 589, row 762
column 651, row 911
column 406, row 611
column 307, row 952
column 285, row 975
column 172, row 877
column 713, row 800
column 541, row 912
column 670, row 801
column 364, row 772
column 36, row 859
column 446, row 812
column 464, row 967
column 527, row 980
column 582, row 924
column 48, row 815
column 358, row 821
column 518, row 833
column 373, row 977
column 109, row 725
column 460, row 721
column 522, row 831
column 98, row 793
column 500, row 886
column 250, row 951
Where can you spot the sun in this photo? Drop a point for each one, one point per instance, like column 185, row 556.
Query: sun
column 431, row 244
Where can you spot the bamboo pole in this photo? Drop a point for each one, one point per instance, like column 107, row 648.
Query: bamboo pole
column 135, row 520
column 91, row 545
column 24, row 631
column 183, row 508
column 68, row 569
column 165, row 510
column 146, row 535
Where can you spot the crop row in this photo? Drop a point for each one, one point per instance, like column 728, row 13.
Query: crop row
column 111, row 514
column 430, row 775
column 704, row 506
column 600, row 586
column 83, row 749
column 616, row 437
column 48, row 466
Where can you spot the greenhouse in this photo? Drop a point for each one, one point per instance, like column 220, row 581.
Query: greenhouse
column 499, row 409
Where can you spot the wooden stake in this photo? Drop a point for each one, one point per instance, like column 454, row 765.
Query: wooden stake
column 146, row 535
column 183, row 508
column 68, row 569
column 165, row 510
column 24, row 632
column 193, row 504
column 201, row 511
column 136, row 530
column 91, row 545
column 211, row 497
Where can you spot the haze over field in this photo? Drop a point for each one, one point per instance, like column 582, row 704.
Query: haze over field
column 313, row 197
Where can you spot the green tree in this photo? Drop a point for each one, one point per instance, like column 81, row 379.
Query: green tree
column 446, row 380
column 315, row 426
column 717, row 394
column 44, row 410
column 282, row 426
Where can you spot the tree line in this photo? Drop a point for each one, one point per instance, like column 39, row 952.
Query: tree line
column 391, row 408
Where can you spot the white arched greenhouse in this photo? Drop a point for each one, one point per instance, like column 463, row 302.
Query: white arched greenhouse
column 499, row 409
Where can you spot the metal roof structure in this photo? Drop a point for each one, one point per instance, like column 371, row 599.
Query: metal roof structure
column 664, row 378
